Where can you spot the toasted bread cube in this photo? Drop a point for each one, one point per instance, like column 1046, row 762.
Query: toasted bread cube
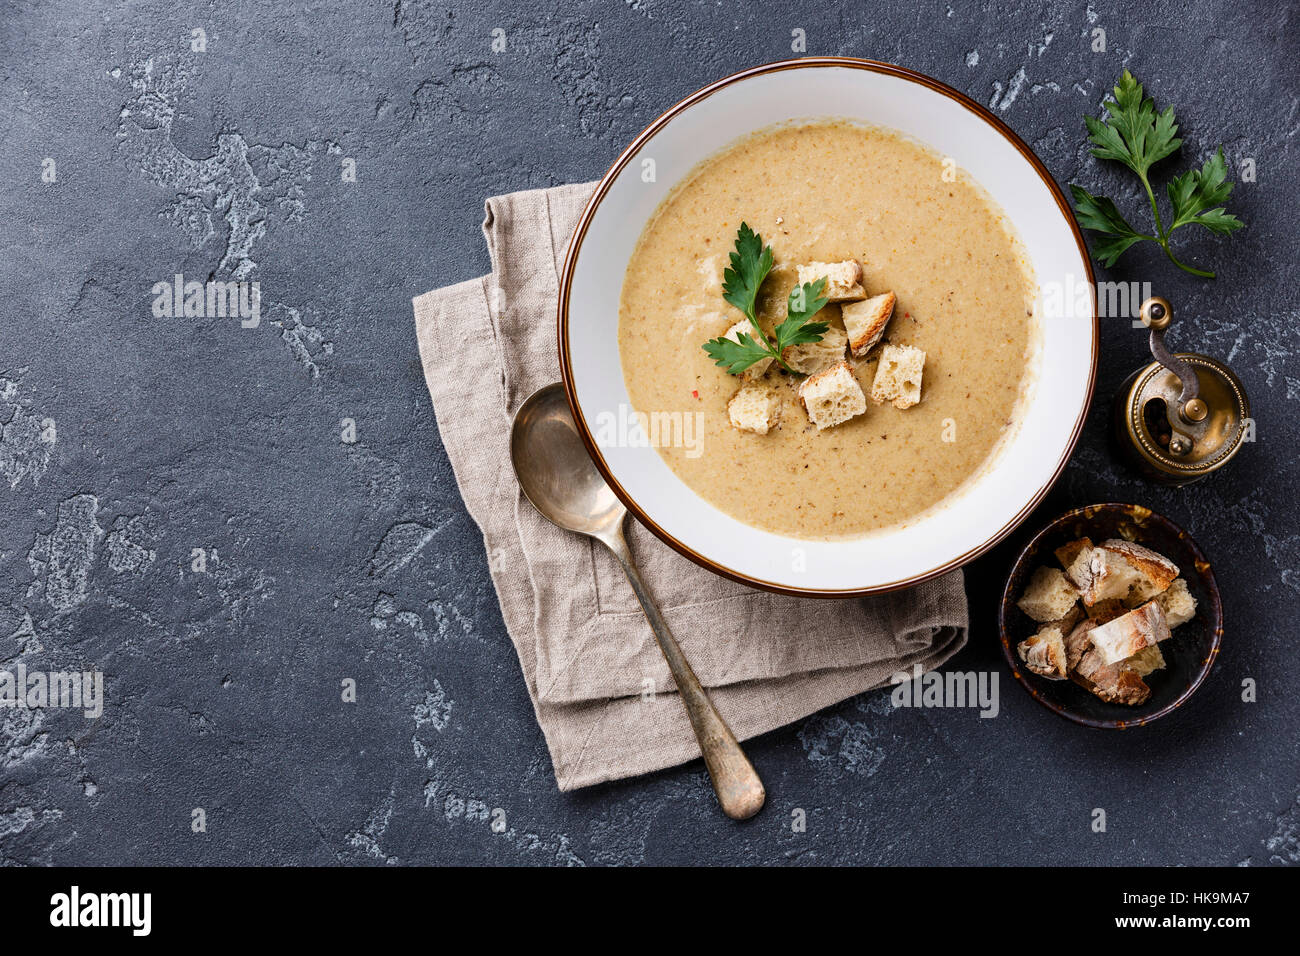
column 1093, row 667
column 832, row 397
column 1117, row 685
column 865, row 321
column 1068, row 553
column 813, row 357
column 1044, row 653
column 746, row 327
column 1048, row 596
column 843, row 279
column 1121, row 682
column 898, row 377
column 1128, row 688
column 1126, row 635
column 1081, row 575
column 1047, row 652
column 1072, row 617
column 1153, row 565
column 1121, row 570
column 1179, row 605
column 1105, row 611
column 1102, row 575
column 1155, row 572
column 1146, row 660
column 755, row 408
column 1078, row 643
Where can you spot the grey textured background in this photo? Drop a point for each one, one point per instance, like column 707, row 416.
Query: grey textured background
column 330, row 560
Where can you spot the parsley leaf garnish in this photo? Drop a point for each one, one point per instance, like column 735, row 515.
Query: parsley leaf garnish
column 1137, row 136
column 750, row 265
column 735, row 356
column 805, row 301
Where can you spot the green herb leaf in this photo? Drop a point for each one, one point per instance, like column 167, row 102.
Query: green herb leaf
column 1100, row 215
column 1134, row 134
column 1196, row 191
column 736, row 356
column 750, row 264
column 805, row 302
column 1108, row 249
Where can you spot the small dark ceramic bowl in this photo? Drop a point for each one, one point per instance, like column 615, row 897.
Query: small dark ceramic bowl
column 1189, row 653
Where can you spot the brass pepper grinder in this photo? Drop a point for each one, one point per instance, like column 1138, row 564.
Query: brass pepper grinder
column 1184, row 415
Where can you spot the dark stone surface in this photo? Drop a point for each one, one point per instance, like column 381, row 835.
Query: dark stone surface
column 327, row 560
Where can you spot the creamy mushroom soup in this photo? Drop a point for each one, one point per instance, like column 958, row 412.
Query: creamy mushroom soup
column 829, row 192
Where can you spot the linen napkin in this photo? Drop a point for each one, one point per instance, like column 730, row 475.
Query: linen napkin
column 599, row 685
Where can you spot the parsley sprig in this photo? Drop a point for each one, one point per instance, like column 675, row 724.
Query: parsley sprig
column 750, row 265
column 1137, row 136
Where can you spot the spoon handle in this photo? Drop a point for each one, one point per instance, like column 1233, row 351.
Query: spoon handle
column 735, row 781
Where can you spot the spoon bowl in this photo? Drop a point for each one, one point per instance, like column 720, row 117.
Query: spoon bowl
column 554, row 470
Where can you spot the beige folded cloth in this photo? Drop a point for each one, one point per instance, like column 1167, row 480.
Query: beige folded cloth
column 601, row 690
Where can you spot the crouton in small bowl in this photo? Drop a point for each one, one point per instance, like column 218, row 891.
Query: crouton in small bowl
column 1111, row 616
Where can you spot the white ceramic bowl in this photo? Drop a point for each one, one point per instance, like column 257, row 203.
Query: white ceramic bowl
column 985, row 509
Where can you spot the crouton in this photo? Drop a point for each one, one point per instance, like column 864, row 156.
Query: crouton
column 1121, row 570
column 1080, row 573
column 898, row 377
column 1044, row 653
column 1105, row 611
column 1145, row 589
column 865, row 322
column 1077, row 643
column 843, row 279
column 746, row 327
column 832, row 396
column 1071, row 617
column 1179, row 605
column 1146, row 660
column 1155, row 572
column 1067, row 554
column 1093, row 666
column 1048, row 596
column 813, row 357
column 1121, row 682
column 1101, row 575
column 1153, row 565
column 1117, row 685
column 755, row 408
column 1126, row 635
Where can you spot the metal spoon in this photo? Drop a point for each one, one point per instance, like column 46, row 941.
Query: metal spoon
column 560, row 479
